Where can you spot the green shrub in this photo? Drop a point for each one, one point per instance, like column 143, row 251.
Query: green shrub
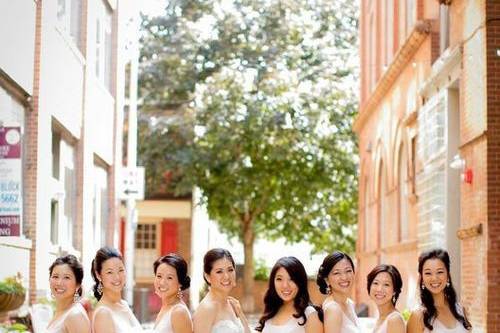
column 12, row 285
column 261, row 271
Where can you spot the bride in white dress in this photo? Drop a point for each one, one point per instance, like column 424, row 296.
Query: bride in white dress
column 288, row 307
column 112, row 314
column 336, row 280
column 384, row 286
column 218, row 312
column 170, row 279
column 66, row 275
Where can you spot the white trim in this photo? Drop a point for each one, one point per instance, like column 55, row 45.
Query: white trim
column 445, row 70
column 17, row 242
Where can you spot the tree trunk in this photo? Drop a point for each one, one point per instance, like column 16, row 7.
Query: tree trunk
column 248, row 272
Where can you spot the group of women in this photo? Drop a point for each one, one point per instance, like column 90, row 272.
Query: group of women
column 288, row 307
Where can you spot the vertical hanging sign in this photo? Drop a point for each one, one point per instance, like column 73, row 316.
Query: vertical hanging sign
column 10, row 181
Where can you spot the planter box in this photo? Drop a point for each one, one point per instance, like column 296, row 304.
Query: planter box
column 9, row 302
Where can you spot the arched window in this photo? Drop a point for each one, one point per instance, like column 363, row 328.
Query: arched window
column 403, row 193
column 382, row 206
column 366, row 214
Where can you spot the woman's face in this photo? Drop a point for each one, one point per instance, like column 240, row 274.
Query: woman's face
column 382, row 289
column 222, row 276
column 285, row 286
column 341, row 277
column 113, row 275
column 434, row 275
column 166, row 282
column 63, row 282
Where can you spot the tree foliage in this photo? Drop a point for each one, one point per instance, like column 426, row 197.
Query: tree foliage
column 264, row 97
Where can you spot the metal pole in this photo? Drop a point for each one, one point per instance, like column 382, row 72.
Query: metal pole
column 131, row 222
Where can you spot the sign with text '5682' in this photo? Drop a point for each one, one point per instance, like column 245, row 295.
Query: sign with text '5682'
column 11, row 202
column 132, row 183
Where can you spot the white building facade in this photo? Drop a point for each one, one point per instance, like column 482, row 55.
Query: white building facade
column 62, row 83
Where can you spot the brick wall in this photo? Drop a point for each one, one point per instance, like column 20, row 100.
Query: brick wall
column 30, row 173
column 493, row 162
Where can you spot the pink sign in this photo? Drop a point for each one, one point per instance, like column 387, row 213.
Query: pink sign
column 10, row 142
column 10, row 181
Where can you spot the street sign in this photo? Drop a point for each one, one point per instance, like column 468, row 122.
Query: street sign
column 132, row 183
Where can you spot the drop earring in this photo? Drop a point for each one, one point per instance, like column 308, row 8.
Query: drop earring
column 76, row 296
column 179, row 293
column 99, row 288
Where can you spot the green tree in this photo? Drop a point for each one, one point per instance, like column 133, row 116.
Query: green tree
column 268, row 88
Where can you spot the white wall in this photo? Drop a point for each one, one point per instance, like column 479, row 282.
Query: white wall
column 17, row 41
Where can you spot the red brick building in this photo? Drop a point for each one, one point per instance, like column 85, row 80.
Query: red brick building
column 430, row 87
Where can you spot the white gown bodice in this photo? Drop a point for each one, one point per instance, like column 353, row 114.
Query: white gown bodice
column 348, row 325
column 123, row 320
column 383, row 328
column 227, row 326
column 57, row 326
column 292, row 326
column 440, row 328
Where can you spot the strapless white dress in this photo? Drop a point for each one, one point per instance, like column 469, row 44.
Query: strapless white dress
column 227, row 326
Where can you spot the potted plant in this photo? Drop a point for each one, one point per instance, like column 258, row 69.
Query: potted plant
column 12, row 293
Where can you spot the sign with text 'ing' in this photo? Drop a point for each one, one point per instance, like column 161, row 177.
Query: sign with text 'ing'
column 10, row 181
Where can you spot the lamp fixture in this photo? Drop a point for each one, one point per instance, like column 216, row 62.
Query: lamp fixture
column 458, row 163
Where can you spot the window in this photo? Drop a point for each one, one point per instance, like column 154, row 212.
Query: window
column 366, row 237
column 373, row 53
column 389, row 31
column 100, row 213
column 69, row 18
column 145, row 237
column 410, row 16
column 63, row 202
column 382, row 206
column 103, row 39
column 401, row 22
column 146, row 250
column 444, row 28
column 403, row 194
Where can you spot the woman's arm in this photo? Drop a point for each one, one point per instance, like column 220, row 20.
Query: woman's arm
column 333, row 318
column 313, row 324
column 103, row 322
column 416, row 322
column 235, row 304
column 181, row 320
column 204, row 318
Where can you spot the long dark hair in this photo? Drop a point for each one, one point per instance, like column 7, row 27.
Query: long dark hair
column 273, row 302
column 397, row 282
column 75, row 266
column 179, row 264
column 103, row 254
column 430, row 312
column 326, row 267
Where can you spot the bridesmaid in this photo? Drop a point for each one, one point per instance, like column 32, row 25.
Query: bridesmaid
column 65, row 279
column 288, row 308
column 218, row 312
column 336, row 279
column 112, row 314
column 384, row 286
column 440, row 311
column 170, row 279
